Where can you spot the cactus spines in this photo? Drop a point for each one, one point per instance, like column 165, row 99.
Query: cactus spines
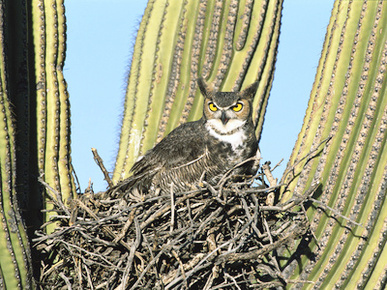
column 53, row 108
column 15, row 262
column 349, row 107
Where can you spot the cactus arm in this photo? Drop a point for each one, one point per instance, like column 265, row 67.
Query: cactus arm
column 15, row 265
column 315, row 102
column 347, row 104
column 267, row 75
column 8, row 241
column 38, row 20
column 327, row 71
column 39, row 35
column 53, row 109
column 48, row 107
column 33, row 131
column 131, row 131
column 130, row 99
column 192, row 36
column 15, row 261
column 51, row 171
column 67, row 184
column 168, row 33
column 144, row 84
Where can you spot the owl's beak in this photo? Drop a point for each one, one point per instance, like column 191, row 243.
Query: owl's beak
column 223, row 118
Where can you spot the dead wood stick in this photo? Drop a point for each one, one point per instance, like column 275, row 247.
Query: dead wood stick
column 259, row 253
column 55, row 196
column 188, row 266
column 172, row 209
column 181, row 267
column 166, row 208
column 150, row 264
column 128, row 223
column 308, row 156
column 67, row 281
column 269, row 176
column 272, row 181
column 99, row 162
column 105, row 228
column 334, row 212
column 133, row 248
column 250, row 218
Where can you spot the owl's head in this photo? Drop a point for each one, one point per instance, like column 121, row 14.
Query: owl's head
column 227, row 110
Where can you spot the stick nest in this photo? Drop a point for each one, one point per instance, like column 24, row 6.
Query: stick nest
column 224, row 237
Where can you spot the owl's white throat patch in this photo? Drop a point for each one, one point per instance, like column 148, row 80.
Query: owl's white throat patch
column 232, row 132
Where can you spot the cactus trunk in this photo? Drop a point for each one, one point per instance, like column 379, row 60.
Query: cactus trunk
column 230, row 43
column 348, row 105
column 52, row 104
column 15, row 261
column 35, row 135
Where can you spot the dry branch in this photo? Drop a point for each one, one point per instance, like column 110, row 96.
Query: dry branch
column 215, row 237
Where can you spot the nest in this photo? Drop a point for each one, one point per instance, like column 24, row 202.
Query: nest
column 223, row 237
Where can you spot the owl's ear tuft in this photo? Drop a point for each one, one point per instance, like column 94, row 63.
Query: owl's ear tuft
column 206, row 91
column 250, row 91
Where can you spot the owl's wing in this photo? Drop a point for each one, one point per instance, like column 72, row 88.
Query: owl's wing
column 184, row 146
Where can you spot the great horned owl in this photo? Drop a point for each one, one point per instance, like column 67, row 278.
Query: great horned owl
column 221, row 139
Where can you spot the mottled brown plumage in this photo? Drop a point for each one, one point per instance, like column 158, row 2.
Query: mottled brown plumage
column 221, row 139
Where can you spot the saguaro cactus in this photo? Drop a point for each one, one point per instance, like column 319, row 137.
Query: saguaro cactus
column 342, row 144
column 52, row 105
column 35, row 132
column 15, row 262
column 230, row 43
column 348, row 105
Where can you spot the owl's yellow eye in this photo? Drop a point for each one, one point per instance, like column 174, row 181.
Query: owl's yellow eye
column 237, row 107
column 212, row 107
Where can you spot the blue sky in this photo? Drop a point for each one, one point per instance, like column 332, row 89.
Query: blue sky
column 100, row 38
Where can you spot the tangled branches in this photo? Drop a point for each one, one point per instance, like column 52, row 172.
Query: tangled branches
column 224, row 237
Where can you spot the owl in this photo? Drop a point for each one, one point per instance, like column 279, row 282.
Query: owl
column 207, row 148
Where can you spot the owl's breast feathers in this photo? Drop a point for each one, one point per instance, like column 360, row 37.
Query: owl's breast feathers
column 185, row 154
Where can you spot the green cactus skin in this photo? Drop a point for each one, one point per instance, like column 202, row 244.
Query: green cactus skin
column 348, row 104
column 231, row 43
column 14, row 247
column 34, row 100
column 15, row 262
column 53, row 108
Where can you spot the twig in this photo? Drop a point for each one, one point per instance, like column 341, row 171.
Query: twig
column 151, row 263
column 258, row 254
column 277, row 165
column 166, row 208
column 307, row 156
column 133, row 248
column 67, row 281
column 128, row 223
column 233, row 280
column 99, row 162
column 172, row 209
column 90, row 283
column 181, row 267
column 105, row 228
column 335, row 212
column 269, row 176
column 55, row 196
